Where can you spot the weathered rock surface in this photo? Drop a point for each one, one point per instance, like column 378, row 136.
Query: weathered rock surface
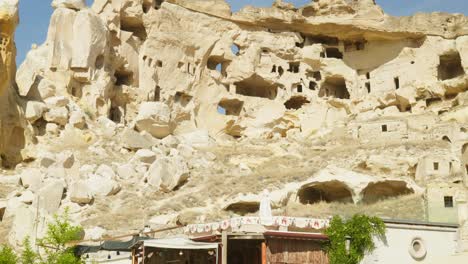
column 181, row 111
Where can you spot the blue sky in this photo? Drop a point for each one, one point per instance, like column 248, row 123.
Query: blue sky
column 35, row 15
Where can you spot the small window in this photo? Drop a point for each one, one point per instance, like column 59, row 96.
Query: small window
column 312, row 85
column 2, row 213
column 273, row 69
column 368, row 87
column 396, row 80
column 159, row 63
column 436, row 165
column 368, row 75
column 360, row 45
column 384, row 128
column 299, row 88
column 280, row 70
column 448, row 201
column 294, row 67
column 235, row 49
column 317, row 75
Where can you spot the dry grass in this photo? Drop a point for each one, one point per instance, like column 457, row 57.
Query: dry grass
column 403, row 207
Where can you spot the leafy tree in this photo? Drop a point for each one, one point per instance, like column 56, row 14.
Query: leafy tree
column 54, row 245
column 361, row 229
column 58, row 235
column 29, row 256
column 7, row 255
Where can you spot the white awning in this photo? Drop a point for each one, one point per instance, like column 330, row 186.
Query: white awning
column 178, row 243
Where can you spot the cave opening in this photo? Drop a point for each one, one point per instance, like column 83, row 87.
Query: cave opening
column 123, row 77
column 244, row 208
column 378, row 191
column 330, row 191
column 333, row 53
column 255, row 86
column 450, row 66
column 334, row 87
column 231, row 106
column 296, row 102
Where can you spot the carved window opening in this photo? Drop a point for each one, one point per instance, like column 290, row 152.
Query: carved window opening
column 297, row 88
column 273, row 69
column 448, row 201
column 256, row 86
column 157, row 4
column 235, row 49
column 280, row 71
column 334, row 53
column 334, row 87
column 384, row 128
column 312, row 85
column 182, row 98
column 450, row 66
column 99, row 62
column 231, row 106
column 2, row 213
column 317, row 75
column 115, row 114
column 436, row 166
column 368, row 87
column 296, row 102
column 396, row 81
column 157, row 94
column 217, row 64
column 294, row 67
column 123, row 77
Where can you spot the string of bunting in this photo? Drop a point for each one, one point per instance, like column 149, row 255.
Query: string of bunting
column 238, row 222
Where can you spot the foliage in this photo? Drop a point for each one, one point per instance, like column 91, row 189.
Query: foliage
column 54, row 245
column 58, row 234
column 361, row 229
column 29, row 256
column 7, row 255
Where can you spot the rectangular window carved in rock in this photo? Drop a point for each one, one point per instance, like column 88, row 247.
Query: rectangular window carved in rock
column 448, row 201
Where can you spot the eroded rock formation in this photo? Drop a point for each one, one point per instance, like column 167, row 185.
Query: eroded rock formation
column 180, row 109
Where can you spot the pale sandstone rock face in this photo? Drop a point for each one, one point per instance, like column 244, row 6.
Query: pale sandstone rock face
column 167, row 173
column 73, row 4
column 80, row 193
column 180, row 111
column 154, row 118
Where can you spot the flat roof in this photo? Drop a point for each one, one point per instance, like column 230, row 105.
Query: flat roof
column 419, row 223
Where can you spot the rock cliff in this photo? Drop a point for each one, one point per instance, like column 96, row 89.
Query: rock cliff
column 152, row 112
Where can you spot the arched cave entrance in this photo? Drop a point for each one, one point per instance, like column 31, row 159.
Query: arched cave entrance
column 256, row 86
column 330, row 191
column 377, row 191
column 231, row 106
column 244, row 208
column 334, row 87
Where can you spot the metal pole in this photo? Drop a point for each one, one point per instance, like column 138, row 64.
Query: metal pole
column 224, row 243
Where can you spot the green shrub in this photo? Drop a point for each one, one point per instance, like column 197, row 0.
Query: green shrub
column 361, row 229
column 7, row 255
